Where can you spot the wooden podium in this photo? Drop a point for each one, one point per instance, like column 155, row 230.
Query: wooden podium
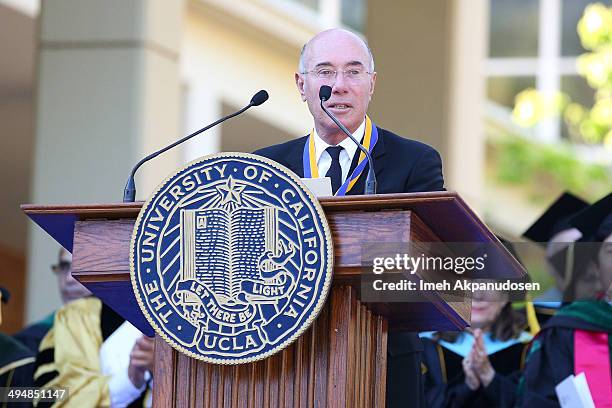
column 340, row 361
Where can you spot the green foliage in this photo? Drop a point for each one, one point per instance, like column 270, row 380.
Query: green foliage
column 547, row 168
column 586, row 125
column 595, row 26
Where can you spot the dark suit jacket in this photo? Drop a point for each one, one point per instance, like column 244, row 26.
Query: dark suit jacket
column 401, row 166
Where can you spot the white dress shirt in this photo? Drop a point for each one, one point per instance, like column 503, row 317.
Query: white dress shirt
column 346, row 155
column 114, row 362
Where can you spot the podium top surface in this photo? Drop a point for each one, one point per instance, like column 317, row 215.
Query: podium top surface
column 446, row 214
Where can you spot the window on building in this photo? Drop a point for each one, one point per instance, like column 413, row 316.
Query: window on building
column 534, row 43
column 353, row 14
column 513, row 28
column 502, row 90
column 350, row 13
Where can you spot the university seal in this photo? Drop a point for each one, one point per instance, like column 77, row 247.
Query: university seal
column 231, row 258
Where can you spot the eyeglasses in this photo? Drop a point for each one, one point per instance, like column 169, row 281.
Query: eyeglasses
column 61, row 267
column 328, row 74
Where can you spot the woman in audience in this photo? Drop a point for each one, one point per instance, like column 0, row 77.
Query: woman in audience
column 478, row 367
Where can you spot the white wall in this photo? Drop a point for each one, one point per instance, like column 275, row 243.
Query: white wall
column 222, row 63
column 108, row 92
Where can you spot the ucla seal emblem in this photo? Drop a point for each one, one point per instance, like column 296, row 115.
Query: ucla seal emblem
column 231, row 258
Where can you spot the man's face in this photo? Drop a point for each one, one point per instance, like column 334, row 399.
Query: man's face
column 337, row 51
column 70, row 288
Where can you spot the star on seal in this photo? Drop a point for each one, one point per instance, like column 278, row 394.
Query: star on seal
column 230, row 192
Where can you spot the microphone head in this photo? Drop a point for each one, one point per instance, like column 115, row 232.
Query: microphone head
column 259, row 98
column 325, row 92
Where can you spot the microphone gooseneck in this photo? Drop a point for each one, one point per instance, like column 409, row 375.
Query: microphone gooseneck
column 370, row 185
column 129, row 192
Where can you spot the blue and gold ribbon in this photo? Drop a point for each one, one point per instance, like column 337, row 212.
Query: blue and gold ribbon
column 311, row 169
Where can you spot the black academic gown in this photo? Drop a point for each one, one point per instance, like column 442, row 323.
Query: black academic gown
column 551, row 356
column 16, row 367
column 16, row 363
column 545, row 312
column 401, row 166
column 32, row 335
column 444, row 380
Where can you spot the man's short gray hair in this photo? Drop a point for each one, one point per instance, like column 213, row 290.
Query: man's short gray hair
column 302, row 63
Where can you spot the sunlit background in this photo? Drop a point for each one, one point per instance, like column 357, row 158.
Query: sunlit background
column 515, row 94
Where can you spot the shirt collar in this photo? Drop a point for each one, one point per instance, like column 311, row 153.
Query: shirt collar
column 347, row 143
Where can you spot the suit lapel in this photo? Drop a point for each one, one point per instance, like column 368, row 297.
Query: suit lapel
column 295, row 157
column 377, row 155
column 354, row 162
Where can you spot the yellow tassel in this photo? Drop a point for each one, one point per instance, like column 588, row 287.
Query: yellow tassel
column 532, row 318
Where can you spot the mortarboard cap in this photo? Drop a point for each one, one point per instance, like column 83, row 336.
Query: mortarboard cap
column 593, row 220
column 555, row 219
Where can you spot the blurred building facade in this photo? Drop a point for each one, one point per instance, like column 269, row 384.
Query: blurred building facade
column 94, row 86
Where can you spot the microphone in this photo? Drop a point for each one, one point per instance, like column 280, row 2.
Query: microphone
column 129, row 193
column 370, row 184
column 259, row 98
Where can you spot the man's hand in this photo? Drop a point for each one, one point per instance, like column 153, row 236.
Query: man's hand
column 142, row 358
column 480, row 363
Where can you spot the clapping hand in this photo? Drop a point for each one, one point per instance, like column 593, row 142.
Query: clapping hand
column 142, row 359
column 480, row 361
column 471, row 379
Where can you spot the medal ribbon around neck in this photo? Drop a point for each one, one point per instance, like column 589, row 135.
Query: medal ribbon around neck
column 311, row 169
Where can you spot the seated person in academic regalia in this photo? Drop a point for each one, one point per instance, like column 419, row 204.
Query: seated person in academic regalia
column 478, row 367
column 101, row 358
column 553, row 232
column 16, row 360
column 70, row 289
column 579, row 337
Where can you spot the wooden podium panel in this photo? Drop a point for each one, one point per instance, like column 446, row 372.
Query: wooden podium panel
column 340, row 360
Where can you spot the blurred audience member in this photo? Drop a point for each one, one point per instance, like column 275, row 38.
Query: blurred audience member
column 16, row 360
column 142, row 358
column 94, row 352
column 126, row 359
column 70, row 289
column 579, row 337
column 552, row 231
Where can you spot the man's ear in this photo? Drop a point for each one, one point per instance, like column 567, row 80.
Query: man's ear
column 299, row 82
column 372, row 84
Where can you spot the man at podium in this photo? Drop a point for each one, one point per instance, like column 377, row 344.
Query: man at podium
column 343, row 61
